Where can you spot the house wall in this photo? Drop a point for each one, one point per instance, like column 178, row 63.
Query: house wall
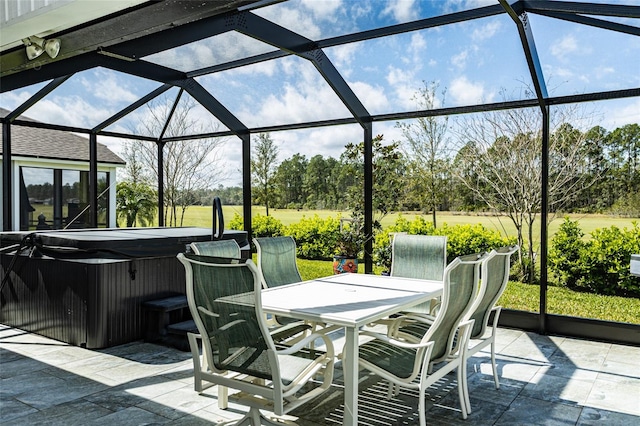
column 18, row 162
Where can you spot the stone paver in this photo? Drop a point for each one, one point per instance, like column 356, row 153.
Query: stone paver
column 543, row 380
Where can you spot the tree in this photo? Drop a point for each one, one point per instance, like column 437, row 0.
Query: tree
column 599, row 196
column 188, row 166
column 318, row 183
column 504, row 169
column 624, row 150
column 263, row 170
column 136, row 203
column 388, row 177
column 290, row 181
column 426, row 145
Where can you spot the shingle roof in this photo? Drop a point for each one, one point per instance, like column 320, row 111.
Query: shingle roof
column 54, row 144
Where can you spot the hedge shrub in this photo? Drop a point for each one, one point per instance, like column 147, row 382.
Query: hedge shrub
column 565, row 253
column 600, row 265
column 316, row 238
column 461, row 239
column 261, row 226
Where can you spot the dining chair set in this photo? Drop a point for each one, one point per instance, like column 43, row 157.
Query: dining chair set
column 272, row 360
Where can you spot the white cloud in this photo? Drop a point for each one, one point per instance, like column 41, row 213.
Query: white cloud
column 460, row 60
column 11, row 100
column 372, row 97
column 417, row 46
column 486, row 31
column 404, row 85
column 457, row 5
column 401, row 10
column 343, row 57
column 465, row 92
column 69, row 111
column 305, row 96
column 323, row 10
column 604, row 71
column 106, row 86
column 294, row 19
column 565, row 46
column 621, row 112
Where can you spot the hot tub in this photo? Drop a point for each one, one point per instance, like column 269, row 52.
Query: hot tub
column 85, row 287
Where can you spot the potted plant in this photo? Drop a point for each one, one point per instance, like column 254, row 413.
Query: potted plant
column 351, row 239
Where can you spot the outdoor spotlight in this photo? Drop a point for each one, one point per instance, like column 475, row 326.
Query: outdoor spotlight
column 52, row 47
column 33, row 50
column 36, row 46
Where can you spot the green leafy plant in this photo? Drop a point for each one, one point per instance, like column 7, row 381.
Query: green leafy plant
column 316, row 238
column 351, row 238
column 565, row 253
column 261, row 225
column 600, row 265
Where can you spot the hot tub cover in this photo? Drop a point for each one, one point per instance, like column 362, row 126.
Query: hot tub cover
column 116, row 242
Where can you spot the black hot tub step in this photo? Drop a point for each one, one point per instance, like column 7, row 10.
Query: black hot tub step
column 162, row 313
column 182, row 328
column 167, row 304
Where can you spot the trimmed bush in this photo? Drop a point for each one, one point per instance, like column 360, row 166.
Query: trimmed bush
column 565, row 253
column 600, row 265
column 606, row 260
column 468, row 239
column 261, row 226
column 237, row 223
column 266, row 226
column 316, row 238
column 461, row 239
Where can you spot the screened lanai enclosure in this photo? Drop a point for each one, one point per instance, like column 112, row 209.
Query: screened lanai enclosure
column 317, row 75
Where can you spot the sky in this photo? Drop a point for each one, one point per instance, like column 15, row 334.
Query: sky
column 473, row 62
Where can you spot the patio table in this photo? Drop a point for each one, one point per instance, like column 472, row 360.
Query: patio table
column 349, row 301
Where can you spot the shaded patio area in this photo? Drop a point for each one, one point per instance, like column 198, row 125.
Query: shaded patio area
column 544, row 380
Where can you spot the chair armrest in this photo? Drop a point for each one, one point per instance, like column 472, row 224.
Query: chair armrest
column 289, row 330
column 208, row 312
column 395, row 342
column 305, row 341
column 395, row 325
column 464, row 335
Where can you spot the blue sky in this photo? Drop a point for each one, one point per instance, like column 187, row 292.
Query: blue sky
column 480, row 61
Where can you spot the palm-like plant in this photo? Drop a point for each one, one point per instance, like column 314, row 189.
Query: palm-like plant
column 136, row 203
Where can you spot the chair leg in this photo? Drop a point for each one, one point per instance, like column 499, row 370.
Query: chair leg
column 197, row 367
column 496, row 380
column 462, row 388
column 422, row 408
column 223, row 397
column 465, row 386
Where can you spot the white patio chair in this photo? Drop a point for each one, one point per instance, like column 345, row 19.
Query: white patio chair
column 217, row 248
column 406, row 355
column 422, row 257
column 225, row 301
column 494, row 277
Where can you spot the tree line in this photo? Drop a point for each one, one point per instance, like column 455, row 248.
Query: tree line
column 607, row 179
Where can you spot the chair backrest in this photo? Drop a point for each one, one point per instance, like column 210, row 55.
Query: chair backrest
column 224, row 300
column 217, row 248
column 418, row 256
column 460, row 288
column 494, row 277
column 277, row 260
